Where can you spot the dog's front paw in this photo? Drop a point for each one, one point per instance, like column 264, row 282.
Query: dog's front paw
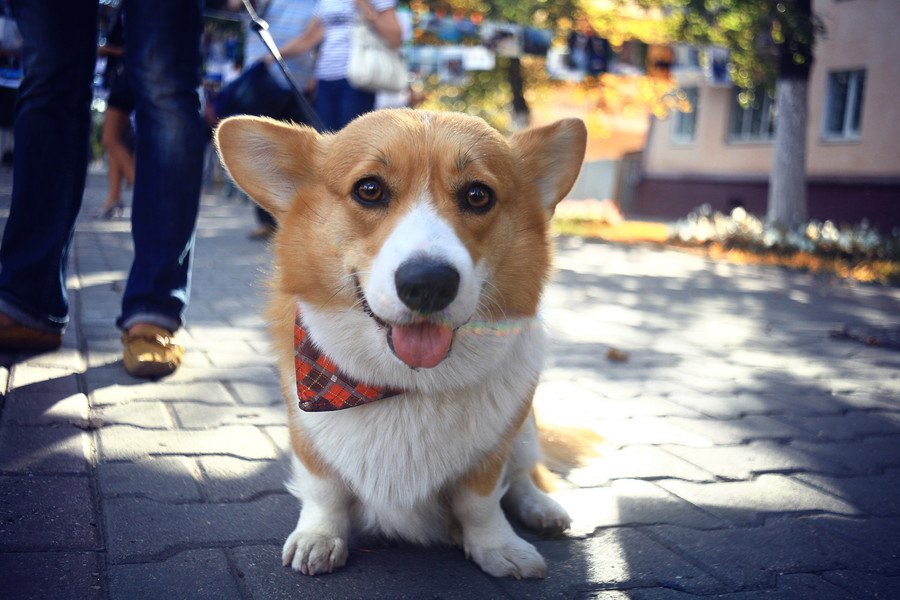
column 517, row 558
column 312, row 553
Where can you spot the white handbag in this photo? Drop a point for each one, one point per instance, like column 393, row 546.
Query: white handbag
column 374, row 66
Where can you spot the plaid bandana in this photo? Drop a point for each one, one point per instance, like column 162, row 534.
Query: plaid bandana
column 321, row 385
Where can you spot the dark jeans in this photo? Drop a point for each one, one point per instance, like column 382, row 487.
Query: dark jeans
column 51, row 156
column 337, row 103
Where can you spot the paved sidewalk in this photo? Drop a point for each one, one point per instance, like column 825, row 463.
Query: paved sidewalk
column 741, row 451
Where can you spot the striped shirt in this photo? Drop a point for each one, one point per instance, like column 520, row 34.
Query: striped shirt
column 337, row 18
column 287, row 19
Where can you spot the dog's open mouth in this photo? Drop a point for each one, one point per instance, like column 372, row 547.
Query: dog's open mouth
column 422, row 344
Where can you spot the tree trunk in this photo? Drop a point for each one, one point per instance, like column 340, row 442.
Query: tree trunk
column 787, row 182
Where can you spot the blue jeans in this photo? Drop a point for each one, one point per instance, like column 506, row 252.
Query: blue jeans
column 51, row 155
column 338, row 103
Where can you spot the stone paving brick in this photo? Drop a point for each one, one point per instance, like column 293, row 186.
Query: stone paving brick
column 193, row 574
column 866, row 398
column 725, row 404
column 228, row 479
column 44, row 449
column 258, row 393
column 854, row 424
column 614, row 558
column 238, row 358
column 163, row 478
column 635, row 462
column 26, row 379
column 225, row 375
column 67, row 358
column 865, row 585
column 193, row 415
column 147, row 415
column 379, row 573
column 41, row 408
column 730, row 432
column 645, row 430
column 210, row 392
column 51, row 575
column 742, row 462
column 629, row 502
column 643, row 406
column 750, row 501
column 222, row 337
column 139, row 529
column 280, row 436
column 789, row 587
column 752, row 557
column 881, row 537
column 875, row 494
column 863, row 457
column 46, row 513
column 121, row 442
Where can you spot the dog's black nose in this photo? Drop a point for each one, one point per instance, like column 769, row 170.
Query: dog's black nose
column 426, row 285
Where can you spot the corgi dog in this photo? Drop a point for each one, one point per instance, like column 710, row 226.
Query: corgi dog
column 410, row 258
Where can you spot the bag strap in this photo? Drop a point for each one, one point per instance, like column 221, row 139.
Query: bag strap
column 262, row 28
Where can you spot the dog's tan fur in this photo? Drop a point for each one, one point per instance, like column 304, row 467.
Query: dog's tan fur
column 455, row 435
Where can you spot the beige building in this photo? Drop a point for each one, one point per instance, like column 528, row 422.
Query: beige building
column 721, row 153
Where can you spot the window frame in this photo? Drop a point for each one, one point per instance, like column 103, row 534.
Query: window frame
column 767, row 119
column 854, row 102
column 678, row 137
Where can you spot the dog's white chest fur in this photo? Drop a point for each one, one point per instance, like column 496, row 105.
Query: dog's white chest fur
column 398, row 455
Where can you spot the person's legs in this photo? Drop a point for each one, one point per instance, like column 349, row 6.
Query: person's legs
column 50, row 159
column 353, row 102
column 119, row 158
column 163, row 66
column 328, row 98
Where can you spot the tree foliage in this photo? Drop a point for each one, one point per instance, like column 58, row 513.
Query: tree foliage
column 517, row 82
column 766, row 38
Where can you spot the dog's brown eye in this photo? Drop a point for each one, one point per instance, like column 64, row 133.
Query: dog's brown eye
column 368, row 191
column 478, row 197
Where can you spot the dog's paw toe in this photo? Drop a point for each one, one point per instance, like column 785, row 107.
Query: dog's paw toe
column 517, row 558
column 312, row 553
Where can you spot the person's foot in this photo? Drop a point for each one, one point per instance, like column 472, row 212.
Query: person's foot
column 110, row 211
column 15, row 337
column 263, row 232
column 150, row 351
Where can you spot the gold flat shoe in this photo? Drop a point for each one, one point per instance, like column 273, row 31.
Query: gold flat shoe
column 150, row 351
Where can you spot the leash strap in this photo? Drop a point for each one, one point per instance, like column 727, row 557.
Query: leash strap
column 262, row 29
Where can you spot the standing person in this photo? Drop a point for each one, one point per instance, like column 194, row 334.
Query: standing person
column 50, row 165
column 337, row 102
column 117, row 134
column 275, row 99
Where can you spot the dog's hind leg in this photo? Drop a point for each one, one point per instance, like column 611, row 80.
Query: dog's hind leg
column 524, row 499
column 319, row 542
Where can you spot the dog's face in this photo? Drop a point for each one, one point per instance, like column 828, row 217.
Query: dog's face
column 418, row 222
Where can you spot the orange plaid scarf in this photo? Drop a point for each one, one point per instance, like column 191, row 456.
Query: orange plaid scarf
column 321, row 385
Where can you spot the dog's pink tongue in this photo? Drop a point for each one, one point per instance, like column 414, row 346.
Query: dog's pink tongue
column 421, row 345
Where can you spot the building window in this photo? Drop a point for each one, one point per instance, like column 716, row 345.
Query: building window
column 685, row 123
column 752, row 120
column 844, row 105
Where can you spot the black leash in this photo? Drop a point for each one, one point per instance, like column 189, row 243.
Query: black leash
column 262, row 28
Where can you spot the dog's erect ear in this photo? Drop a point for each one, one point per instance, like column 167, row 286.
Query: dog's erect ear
column 268, row 159
column 552, row 157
